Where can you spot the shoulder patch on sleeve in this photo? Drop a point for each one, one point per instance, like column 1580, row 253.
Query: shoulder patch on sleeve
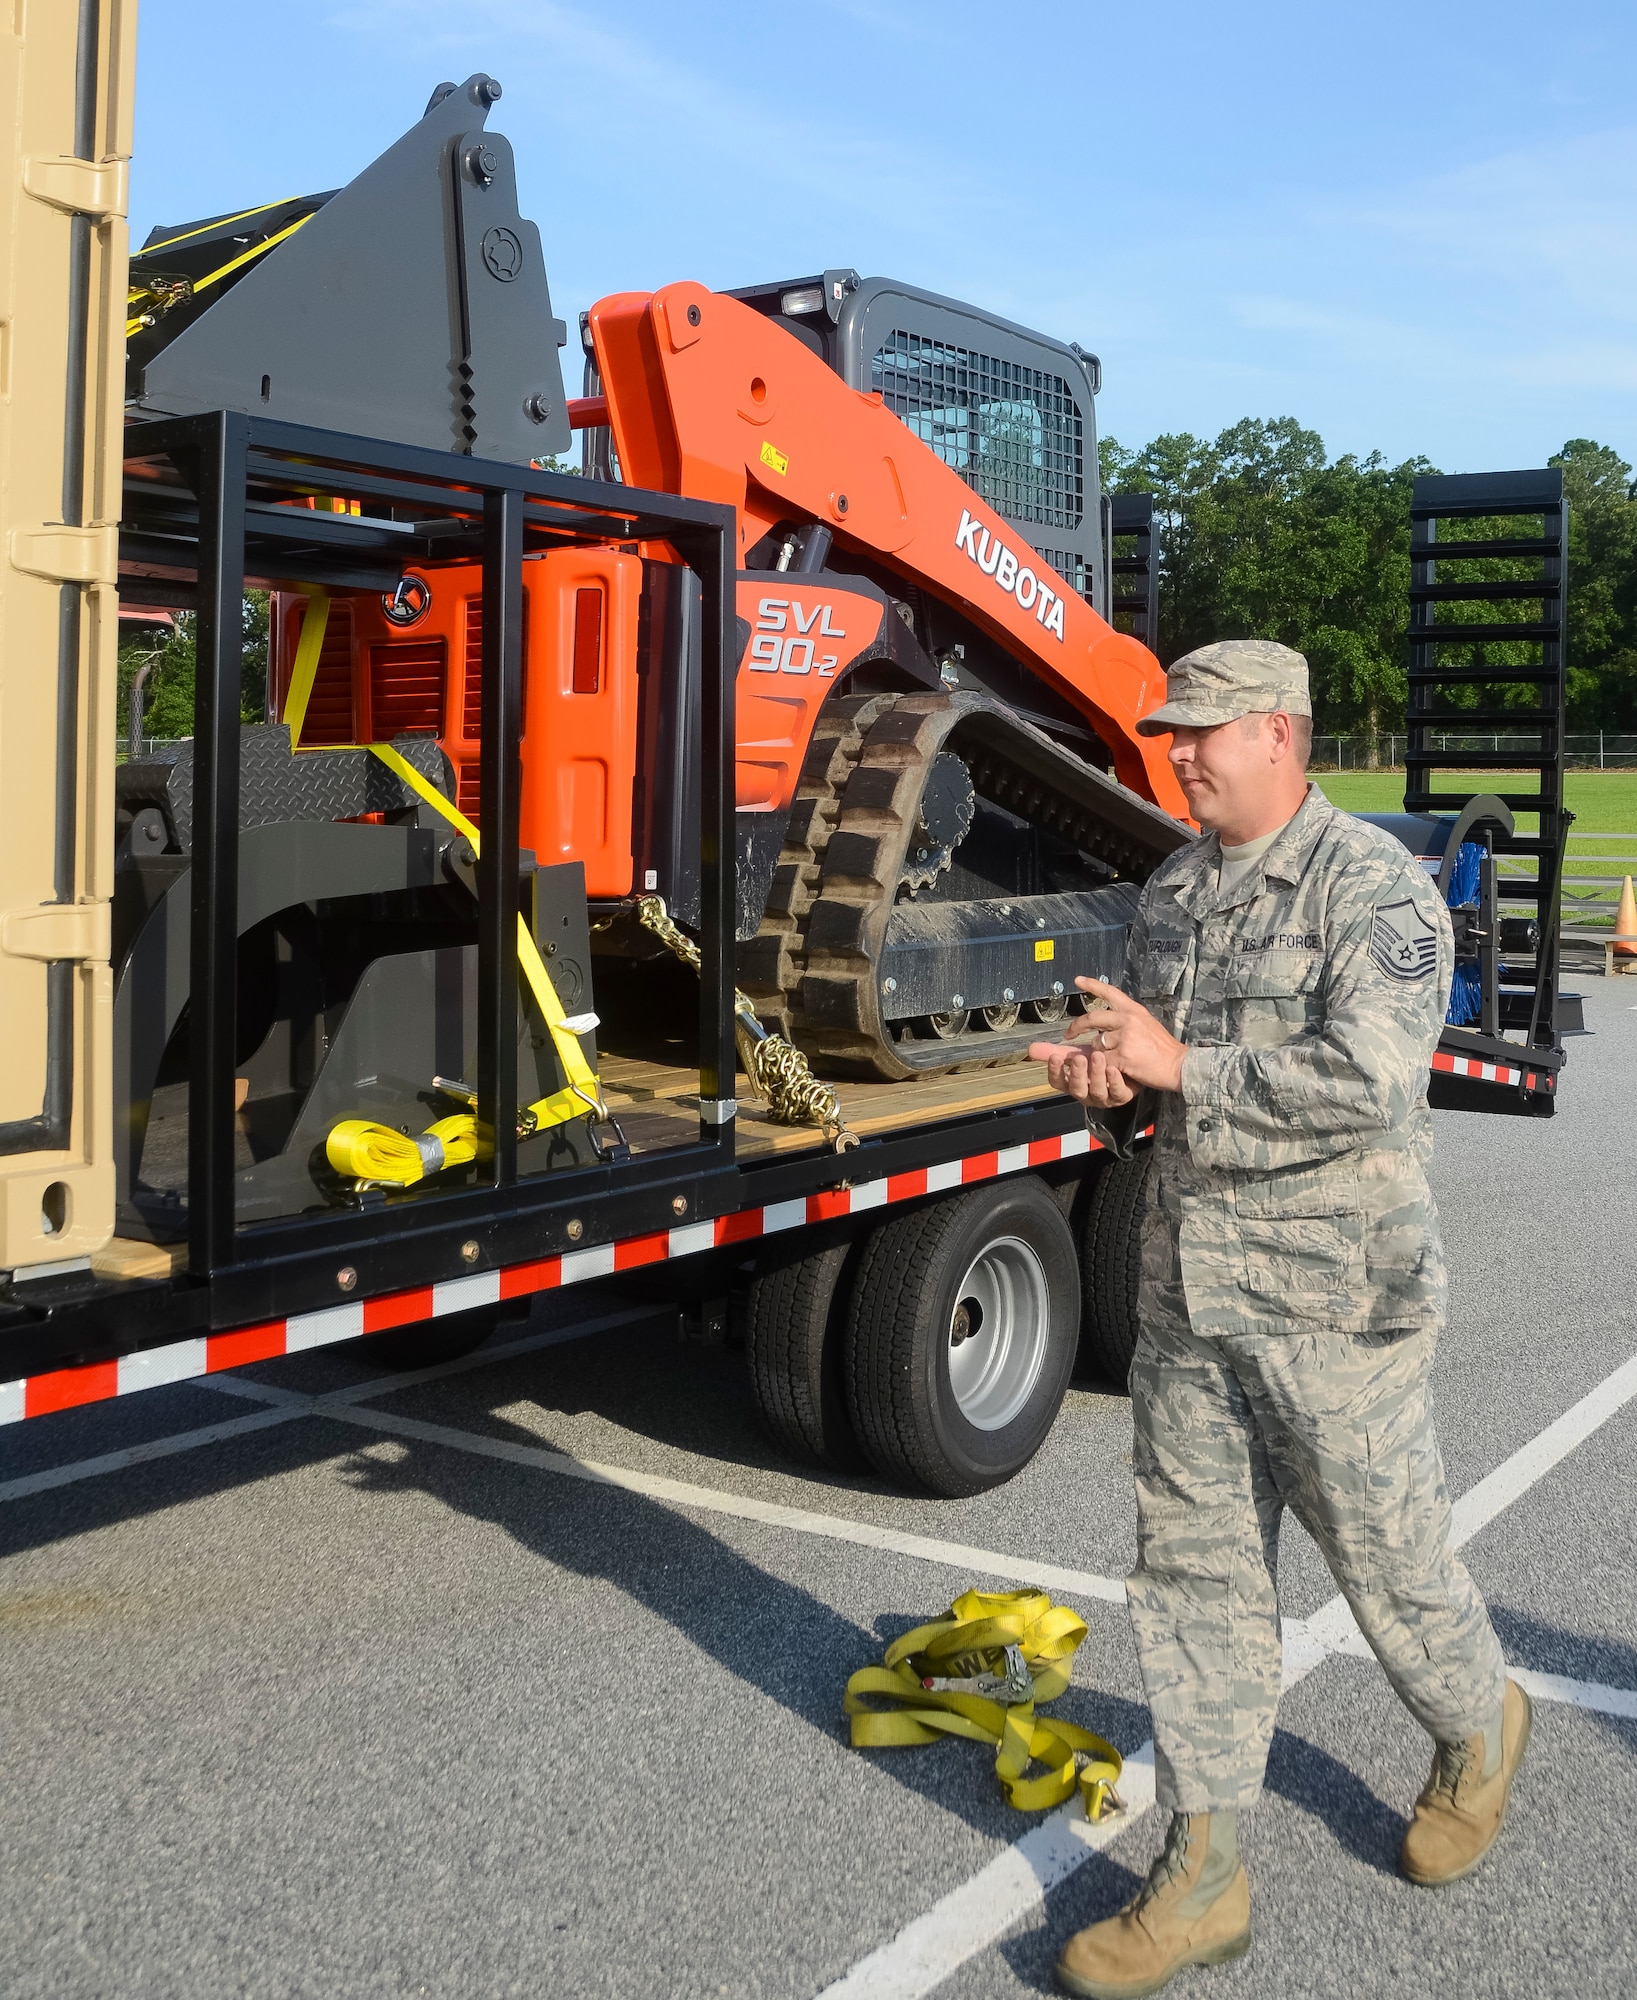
column 1403, row 943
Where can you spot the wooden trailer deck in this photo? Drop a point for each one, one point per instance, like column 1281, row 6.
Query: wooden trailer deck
column 657, row 1104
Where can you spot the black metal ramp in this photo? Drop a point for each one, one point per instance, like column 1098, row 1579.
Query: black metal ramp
column 1488, row 580
column 1134, row 569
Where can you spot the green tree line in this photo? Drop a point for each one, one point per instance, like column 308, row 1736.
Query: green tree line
column 1262, row 535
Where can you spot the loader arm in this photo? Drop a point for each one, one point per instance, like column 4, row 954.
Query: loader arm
column 710, row 400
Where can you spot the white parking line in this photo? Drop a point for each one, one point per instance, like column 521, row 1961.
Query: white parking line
column 344, row 1405
column 1015, row 1882
column 972, row 1916
column 288, row 1403
column 986, row 1906
column 1596, row 1696
column 1475, row 1509
column 140, row 1454
column 1593, row 1695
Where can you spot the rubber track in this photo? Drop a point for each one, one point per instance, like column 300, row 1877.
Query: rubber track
column 1111, row 1267
column 840, row 1023
column 771, row 964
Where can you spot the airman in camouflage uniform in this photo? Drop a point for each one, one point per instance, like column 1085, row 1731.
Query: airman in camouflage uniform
column 1293, row 1289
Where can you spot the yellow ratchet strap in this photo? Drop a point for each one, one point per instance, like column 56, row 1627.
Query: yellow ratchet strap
column 220, row 222
column 368, row 1152
column 942, row 1680
column 582, row 1093
column 371, row 1152
column 135, row 322
column 308, row 648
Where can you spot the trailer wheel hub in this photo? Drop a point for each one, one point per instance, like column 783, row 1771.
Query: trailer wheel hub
column 998, row 1333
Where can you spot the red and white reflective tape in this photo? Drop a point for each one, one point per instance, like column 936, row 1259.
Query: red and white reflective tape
column 1488, row 1072
column 211, row 1353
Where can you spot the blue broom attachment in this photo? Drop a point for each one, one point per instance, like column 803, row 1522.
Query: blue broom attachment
column 1465, row 992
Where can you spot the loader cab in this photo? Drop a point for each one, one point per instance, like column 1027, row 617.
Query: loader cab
column 1012, row 411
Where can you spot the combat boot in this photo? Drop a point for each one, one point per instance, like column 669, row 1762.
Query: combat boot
column 1460, row 1812
column 1194, row 1909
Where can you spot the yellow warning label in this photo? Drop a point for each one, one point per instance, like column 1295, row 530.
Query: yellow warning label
column 771, row 455
column 1044, row 948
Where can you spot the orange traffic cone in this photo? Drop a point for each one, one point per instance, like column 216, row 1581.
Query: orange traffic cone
column 1625, row 922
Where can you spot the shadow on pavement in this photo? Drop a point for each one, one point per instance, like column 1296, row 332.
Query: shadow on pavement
column 66, row 1513
column 1311, row 1779
column 778, row 1639
column 693, row 1398
column 682, row 1395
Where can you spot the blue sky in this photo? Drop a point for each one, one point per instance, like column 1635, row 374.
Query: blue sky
column 1409, row 226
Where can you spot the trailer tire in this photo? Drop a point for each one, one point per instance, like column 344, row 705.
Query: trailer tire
column 431, row 1341
column 997, row 1267
column 1111, row 1267
column 794, row 1319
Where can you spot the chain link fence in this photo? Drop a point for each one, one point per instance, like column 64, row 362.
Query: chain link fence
column 1587, row 750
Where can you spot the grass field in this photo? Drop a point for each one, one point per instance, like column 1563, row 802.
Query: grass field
column 1604, row 804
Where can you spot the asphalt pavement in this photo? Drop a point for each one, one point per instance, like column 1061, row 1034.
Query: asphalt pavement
column 525, row 1677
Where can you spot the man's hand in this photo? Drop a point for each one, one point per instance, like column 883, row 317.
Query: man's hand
column 1090, row 1077
column 1128, row 1047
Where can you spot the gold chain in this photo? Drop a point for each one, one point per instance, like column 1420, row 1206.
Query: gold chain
column 778, row 1073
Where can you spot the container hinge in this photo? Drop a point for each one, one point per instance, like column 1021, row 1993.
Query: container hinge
column 56, row 931
column 67, row 555
column 98, row 188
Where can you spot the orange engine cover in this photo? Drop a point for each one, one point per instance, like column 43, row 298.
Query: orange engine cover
column 707, row 398
column 377, row 679
column 580, row 713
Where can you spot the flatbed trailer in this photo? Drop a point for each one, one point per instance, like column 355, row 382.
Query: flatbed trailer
column 696, row 1179
column 700, row 1179
column 1003, row 1129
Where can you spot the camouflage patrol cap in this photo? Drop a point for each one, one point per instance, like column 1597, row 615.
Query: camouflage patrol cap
column 1231, row 678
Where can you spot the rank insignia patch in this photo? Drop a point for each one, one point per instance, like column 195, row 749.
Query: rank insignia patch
column 1402, row 942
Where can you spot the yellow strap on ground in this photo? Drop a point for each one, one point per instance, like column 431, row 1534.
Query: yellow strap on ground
column 972, row 1641
column 302, row 673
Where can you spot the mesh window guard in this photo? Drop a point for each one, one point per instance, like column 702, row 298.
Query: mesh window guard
column 1013, row 433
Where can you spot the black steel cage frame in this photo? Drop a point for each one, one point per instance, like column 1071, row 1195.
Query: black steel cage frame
column 192, row 536
column 211, row 519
